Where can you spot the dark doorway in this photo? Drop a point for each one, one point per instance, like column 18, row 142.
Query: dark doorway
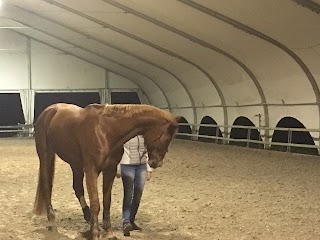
column 82, row 99
column 242, row 133
column 11, row 113
column 184, row 129
column 297, row 137
column 125, row 98
column 209, row 131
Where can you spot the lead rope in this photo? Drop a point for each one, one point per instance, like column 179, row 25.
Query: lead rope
column 144, row 152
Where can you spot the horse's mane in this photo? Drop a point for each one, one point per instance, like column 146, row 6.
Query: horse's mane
column 132, row 110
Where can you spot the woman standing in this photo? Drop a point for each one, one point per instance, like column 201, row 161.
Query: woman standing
column 134, row 170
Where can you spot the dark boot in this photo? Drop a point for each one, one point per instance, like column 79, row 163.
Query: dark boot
column 135, row 227
column 127, row 227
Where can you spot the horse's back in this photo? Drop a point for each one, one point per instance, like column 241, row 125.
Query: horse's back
column 59, row 112
column 60, row 107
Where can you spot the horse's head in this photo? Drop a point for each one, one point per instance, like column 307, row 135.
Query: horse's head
column 157, row 140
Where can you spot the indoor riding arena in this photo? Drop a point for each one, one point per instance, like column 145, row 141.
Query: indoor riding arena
column 239, row 78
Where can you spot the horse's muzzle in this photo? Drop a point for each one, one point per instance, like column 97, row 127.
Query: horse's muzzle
column 155, row 164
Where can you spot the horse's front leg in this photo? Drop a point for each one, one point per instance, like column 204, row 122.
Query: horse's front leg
column 91, row 180
column 108, row 178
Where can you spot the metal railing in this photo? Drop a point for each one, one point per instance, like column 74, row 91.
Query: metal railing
column 248, row 140
column 21, row 130
column 27, row 130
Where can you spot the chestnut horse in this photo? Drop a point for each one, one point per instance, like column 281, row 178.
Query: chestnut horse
column 91, row 141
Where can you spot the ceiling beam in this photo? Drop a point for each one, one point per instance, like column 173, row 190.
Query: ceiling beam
column 315, row 7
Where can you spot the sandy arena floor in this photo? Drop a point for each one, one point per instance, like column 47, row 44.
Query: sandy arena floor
column 204, row 191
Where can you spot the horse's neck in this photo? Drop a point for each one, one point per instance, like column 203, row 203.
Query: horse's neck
column 146, row 121
column 128, row 128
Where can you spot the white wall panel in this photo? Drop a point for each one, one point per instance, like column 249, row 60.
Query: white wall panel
column 307, row 115
column 154, row 95
column 248, row 112
column 311, row 57
column 187, row 113
column 215, row 113
column 13, row 61
column 53, row 69
column 116, row 81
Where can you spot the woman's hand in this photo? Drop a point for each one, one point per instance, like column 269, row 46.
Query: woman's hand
column 149, row 175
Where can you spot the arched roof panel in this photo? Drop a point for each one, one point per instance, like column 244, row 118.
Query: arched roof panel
column 186, row 72
column 212, row 61
column 269, row 62
column 78, row 40
column 152, row 91
column 291, row 24
column 197, row 55
column 86, row 42
column 280, row 20
column 121, row 37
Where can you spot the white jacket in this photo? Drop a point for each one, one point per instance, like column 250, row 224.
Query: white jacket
column 135, row 153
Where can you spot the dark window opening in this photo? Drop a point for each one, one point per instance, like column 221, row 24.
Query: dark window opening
column 11, row 113
column 242, row 133
column 184, row 129
column 125, row 98
column 209, row 131
column 297, row 137
column 82, row 99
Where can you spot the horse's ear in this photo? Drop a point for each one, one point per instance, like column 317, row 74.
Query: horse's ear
column 172, row 128
column 178, row 118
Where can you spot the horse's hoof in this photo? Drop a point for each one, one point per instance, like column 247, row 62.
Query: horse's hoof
column 113, row 238
column 86, row 214
column 95, row 234
column 52, row 228
column 106, row 225
column 95, row 238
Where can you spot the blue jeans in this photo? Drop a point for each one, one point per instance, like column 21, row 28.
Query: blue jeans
column 133, row 179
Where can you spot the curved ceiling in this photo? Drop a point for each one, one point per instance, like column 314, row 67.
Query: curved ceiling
column 200, row 53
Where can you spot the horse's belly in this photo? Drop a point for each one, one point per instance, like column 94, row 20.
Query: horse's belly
column 68, row 151
column 70, row 158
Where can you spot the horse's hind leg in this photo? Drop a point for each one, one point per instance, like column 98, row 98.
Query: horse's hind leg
column 45, row 183
column 78, row 176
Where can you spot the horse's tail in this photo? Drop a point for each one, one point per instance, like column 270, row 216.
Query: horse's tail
column 47, row 162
